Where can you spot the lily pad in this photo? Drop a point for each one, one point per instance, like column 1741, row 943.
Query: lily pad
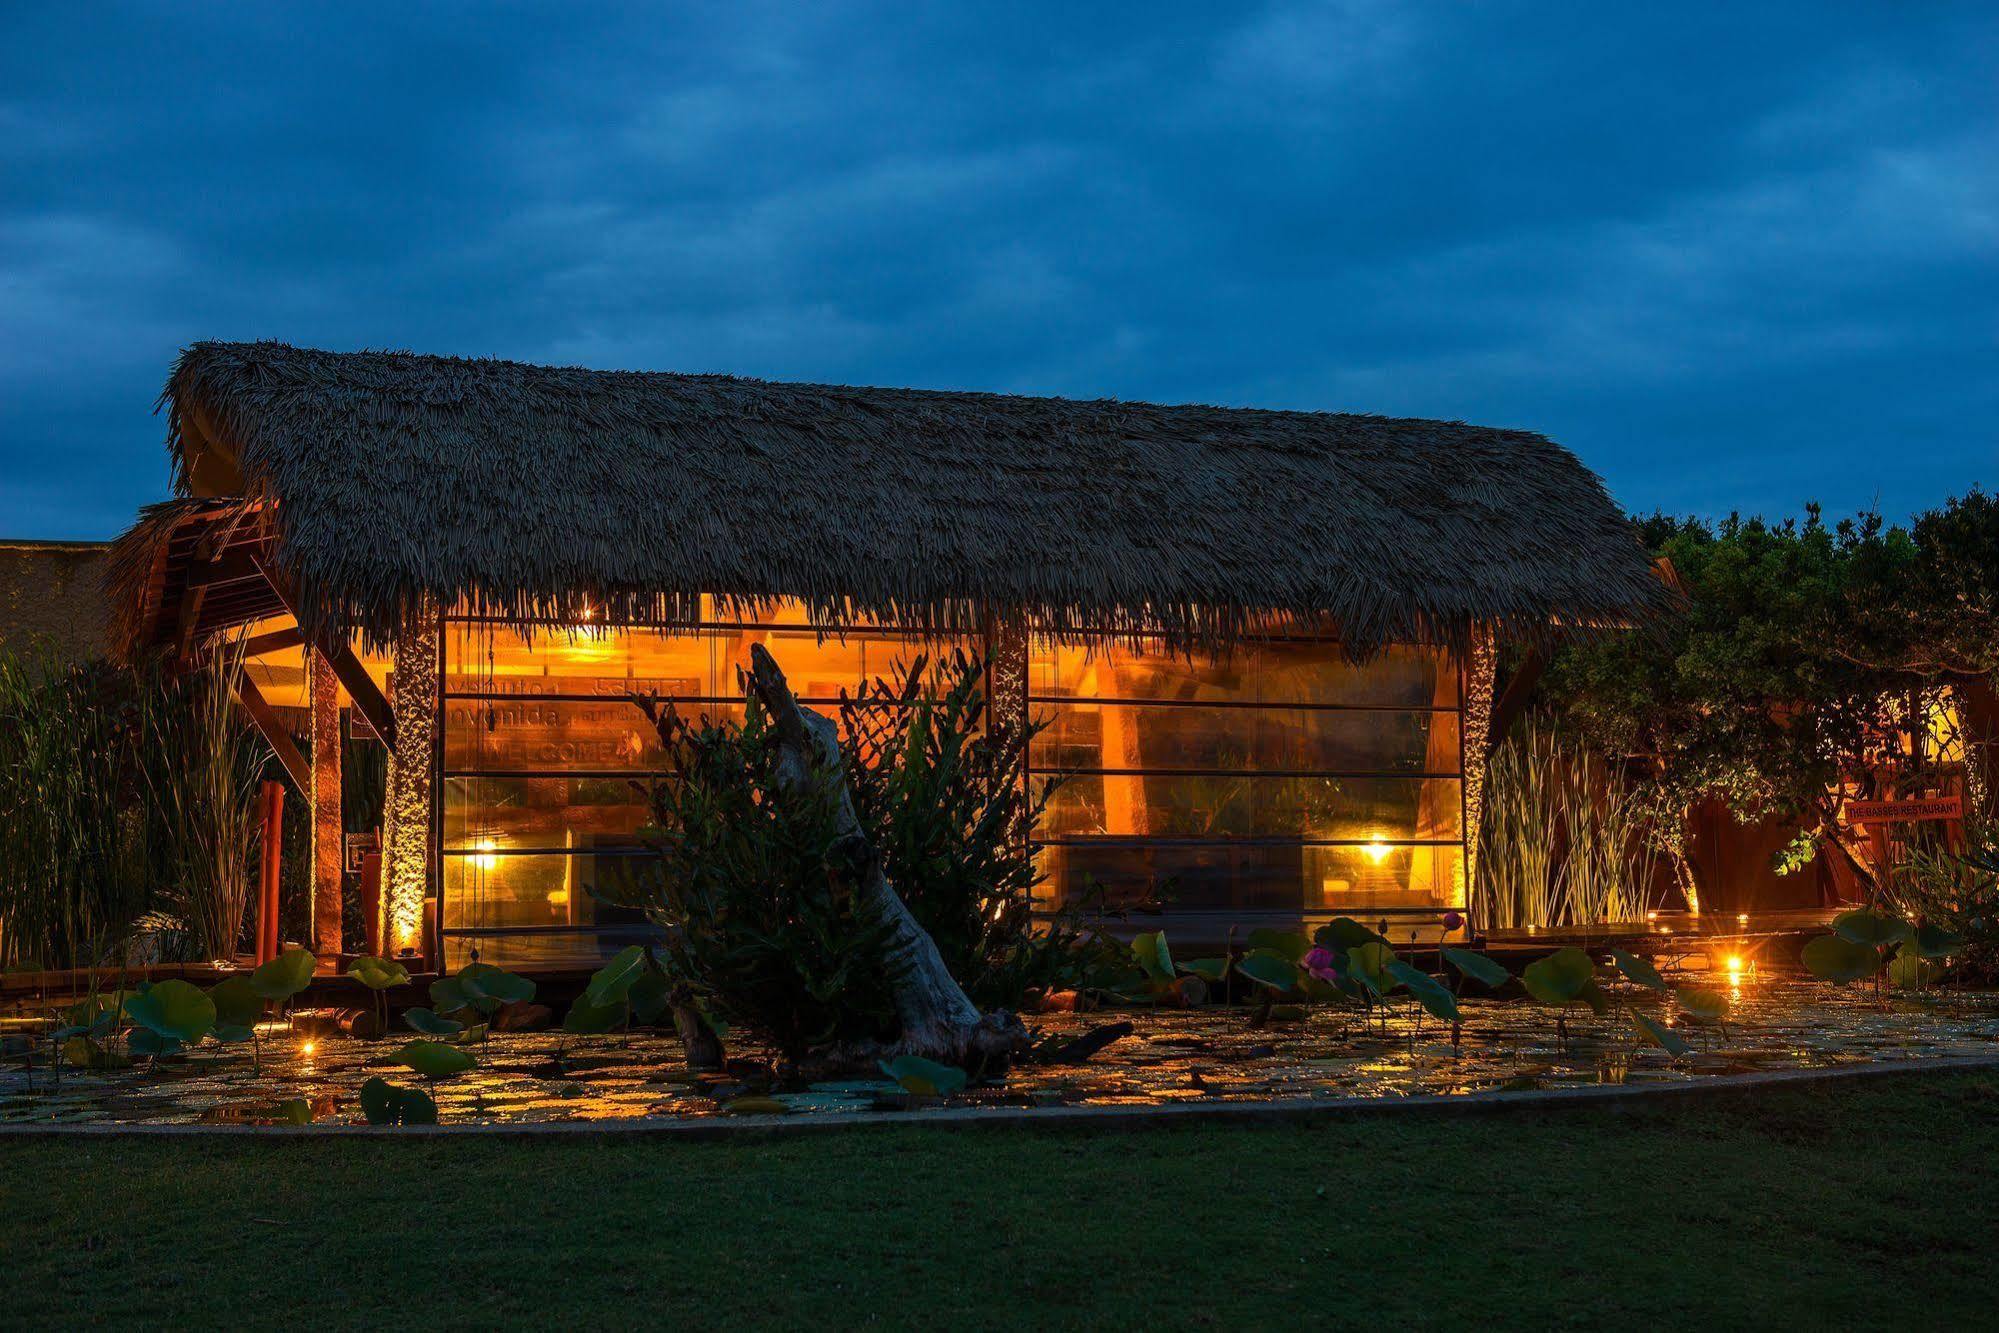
column 1708, row 1005
column 1152, row 956
column 1368, row 963
column 284, row 976
column 434, row 1059
column 1211, row 970
column 754, row 1105
column 483, row 981
column 924, row 1078
column 1343, row 933
column 1639, row 970
column 1660, row 1035
column 1560, row 978
column 145, row 1041
column 1432, row 994
column 1836, row 959
column 1875, row 929
column 1936, row 942
column 174, row 1009
column 612, row 983
column 238, row 1002
column 1911, row 969
column 386, row 1104
column 1269, row 970
column 1478, row 967
column 589, row 1020
column 378, row 973
column 1287, row 944
column 424, row 1021
column 448, row 996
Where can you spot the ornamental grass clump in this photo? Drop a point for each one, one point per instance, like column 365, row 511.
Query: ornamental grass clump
column 72, row 855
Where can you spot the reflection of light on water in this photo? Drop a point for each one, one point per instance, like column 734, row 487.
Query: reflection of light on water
column 1178, row 1056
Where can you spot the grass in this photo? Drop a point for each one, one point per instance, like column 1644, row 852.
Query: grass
column 1835, row 1205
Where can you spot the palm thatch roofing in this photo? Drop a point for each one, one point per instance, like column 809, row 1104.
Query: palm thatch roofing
column 387, row 483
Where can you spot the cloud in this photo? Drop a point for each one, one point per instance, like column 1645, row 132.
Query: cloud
column 1724, row 254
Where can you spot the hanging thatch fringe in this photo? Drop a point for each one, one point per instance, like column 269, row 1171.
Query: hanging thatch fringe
column 401, row 482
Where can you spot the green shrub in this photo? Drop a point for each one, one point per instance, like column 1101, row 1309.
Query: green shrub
column 757, row 895
column 947, row 803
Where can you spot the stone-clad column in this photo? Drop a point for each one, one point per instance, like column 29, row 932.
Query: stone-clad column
column 1481, row 667
column 406, row 823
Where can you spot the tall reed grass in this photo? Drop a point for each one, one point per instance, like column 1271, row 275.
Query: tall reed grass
column 202, row 763
column 123, row 795
column 72, row 852
column 1564, row 840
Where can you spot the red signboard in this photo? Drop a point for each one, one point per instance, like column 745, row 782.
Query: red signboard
column 1905, row 812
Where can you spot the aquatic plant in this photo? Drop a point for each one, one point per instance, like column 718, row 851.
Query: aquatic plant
column 73, row 853
column 202, row 762
column 1564, row 840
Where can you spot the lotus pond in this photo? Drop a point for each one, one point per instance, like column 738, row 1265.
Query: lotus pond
column 1206, row 1055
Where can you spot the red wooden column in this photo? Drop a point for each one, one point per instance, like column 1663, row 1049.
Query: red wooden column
column 271, row 805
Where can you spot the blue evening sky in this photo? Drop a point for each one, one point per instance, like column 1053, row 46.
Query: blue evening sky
column 1735, row 255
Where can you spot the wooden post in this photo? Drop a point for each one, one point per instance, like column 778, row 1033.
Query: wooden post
column 371, row 903
column 271, row 804
column 328, row 851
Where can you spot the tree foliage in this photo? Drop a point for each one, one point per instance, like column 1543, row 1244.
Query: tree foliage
column 1804, row 649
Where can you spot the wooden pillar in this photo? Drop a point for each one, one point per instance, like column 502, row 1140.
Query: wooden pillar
column 407, row 830
column 328, row 840
column 271, row 809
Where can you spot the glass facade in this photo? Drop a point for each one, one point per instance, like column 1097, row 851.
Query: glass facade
column 1278, row 779
column 546, row 760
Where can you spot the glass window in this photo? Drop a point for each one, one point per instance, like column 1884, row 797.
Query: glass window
column 1258, row 672
column 1253, row 877
column 546, row 754
column 1361, row 809
column 1216, row 783
column 1297, row 740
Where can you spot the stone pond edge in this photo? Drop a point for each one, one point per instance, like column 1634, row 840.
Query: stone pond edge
column 1288, row 1110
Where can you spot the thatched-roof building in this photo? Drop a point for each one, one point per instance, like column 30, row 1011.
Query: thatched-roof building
column 1251, row 630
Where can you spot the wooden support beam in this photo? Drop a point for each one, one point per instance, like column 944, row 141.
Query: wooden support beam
column 275, row 641
column 369, row 701
column 272, row 728
column 190, row 618
column 236, row 566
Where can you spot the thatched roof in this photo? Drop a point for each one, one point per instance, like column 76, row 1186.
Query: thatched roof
column 393, row 481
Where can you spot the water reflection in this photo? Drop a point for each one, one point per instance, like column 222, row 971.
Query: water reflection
column 1213, row 1055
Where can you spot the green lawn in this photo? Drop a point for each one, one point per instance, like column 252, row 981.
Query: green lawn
column 1854, row 1203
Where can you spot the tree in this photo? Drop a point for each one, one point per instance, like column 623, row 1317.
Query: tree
column 1788, row 673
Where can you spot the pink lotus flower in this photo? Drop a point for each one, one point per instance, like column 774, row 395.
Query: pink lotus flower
column 1321, row 963
column 1453, row 921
